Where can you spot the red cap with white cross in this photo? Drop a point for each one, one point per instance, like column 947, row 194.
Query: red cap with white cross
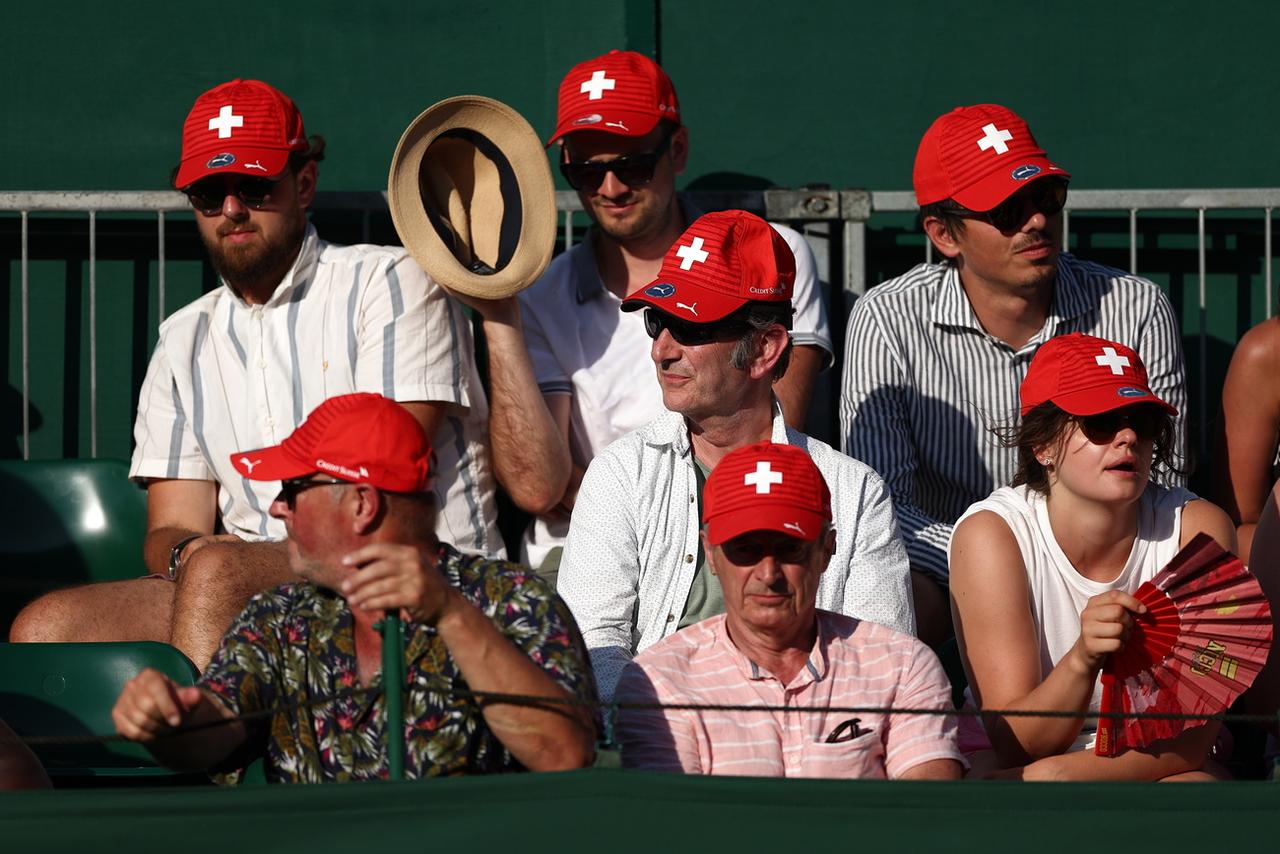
column 622, row 92
column 1084, row 375
column 243, row 127
column 765, row 487
column 722, row 262
column 979, row 156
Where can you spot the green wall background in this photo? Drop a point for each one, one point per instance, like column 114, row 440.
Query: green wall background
column 1124, row 95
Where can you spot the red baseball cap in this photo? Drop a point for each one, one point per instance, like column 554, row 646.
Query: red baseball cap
column 721, row 262
column 765, row 487
column 363, row 438
column 979, row 156
column 1084, row 375
column 244, row 126
column 622, row 92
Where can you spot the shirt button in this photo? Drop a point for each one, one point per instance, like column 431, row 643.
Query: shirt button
column 670, row 617
column 271, row 422
column 688, row 558
column 262, row 365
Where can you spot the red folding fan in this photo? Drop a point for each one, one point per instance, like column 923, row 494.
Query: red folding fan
column 1205, row 636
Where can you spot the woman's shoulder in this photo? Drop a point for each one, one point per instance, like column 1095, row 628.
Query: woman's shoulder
column 1201, row 516
column 1006, row 502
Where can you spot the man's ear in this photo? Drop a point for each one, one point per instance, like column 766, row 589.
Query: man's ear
column 941, row 236
column 680, row 149
column 306, row 181
column 773, row 342
column 368, row 506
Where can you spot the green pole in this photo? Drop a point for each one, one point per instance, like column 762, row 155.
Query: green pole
column 393, row 692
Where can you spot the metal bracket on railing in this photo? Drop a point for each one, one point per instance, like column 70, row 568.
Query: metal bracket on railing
column 805, row 203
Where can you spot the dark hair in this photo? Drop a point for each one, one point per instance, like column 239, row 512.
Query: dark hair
column 946, row 211
column 1046, row 426
column 297, row 159
column 760, row 316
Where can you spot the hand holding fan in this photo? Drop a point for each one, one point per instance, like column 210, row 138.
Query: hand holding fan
column 1202, row 642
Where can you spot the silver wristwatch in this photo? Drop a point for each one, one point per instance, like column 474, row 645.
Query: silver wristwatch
column 175, row 555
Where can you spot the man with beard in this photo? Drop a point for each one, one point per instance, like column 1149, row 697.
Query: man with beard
column 295, row 321
column 934, row 358
column 569, row 373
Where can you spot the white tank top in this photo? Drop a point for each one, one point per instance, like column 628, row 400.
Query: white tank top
column 1058, row 592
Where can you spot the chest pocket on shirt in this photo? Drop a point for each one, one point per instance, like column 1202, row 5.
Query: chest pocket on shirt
column 860, row 758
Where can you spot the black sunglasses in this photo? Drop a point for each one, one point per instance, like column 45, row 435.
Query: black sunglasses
column 748, row 552
column 1047, row 195
column 1145, row 421
column 289, row 489
column 208, row 195
column 634, row 170
column 691, row 334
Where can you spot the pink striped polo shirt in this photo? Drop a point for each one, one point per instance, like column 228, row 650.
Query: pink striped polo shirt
column 853, row 663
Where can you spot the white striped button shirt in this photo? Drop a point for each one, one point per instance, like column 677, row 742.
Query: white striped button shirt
column 852, row 663
column 924, row 385
column 227, row 376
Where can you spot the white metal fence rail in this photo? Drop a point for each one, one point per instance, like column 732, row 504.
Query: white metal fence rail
column 845, row 213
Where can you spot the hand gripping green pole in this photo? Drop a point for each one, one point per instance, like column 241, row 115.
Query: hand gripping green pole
column 393, row 692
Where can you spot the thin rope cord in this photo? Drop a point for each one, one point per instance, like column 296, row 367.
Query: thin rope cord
column 613, row 708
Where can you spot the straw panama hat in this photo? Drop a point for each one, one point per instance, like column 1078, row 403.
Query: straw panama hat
column 472, row 198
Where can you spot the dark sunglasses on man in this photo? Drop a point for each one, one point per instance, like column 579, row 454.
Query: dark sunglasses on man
column 208, row 194
column 692, row 334
column 1145, row 421
column 634, row 170
column 1048, row 196
column 289, row 489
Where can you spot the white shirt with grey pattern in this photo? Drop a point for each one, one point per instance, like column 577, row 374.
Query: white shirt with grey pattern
column 227, row 377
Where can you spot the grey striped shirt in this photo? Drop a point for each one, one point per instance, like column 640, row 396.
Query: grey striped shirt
column 227, row 377
column 924, row 384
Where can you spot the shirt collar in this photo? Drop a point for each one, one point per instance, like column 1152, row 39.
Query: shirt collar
column 670, row 428
column 814, row 670
column 953, row 308
column 1069, row 297
column 294, row 283
column 583, row 269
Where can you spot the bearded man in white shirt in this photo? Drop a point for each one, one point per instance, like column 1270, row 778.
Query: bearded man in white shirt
column 295, row 320
column 633, row 569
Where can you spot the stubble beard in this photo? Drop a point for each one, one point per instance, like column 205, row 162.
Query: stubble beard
column 647, row 220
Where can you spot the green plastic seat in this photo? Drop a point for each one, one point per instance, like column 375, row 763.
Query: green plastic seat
column 66, row 522
column 67, row 690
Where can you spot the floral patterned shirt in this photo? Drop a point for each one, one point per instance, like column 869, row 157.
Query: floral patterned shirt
column 295, row 643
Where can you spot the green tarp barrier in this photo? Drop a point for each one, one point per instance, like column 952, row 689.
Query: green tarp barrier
column 606, row 810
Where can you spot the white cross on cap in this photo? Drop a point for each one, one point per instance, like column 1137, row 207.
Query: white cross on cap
column 763, row 478
column 994, row 138
column 1113, row 360
column 596, row 85
column 225, row 121
column 692, row 254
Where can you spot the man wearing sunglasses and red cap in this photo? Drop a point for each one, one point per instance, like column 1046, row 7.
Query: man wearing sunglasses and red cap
column 583, row 371
column 355, row 497
column 296, row 320
column 769, row 548
column 634, row 572
column 933, row 358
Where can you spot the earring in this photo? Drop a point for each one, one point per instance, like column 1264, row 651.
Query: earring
column 1046, row 462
